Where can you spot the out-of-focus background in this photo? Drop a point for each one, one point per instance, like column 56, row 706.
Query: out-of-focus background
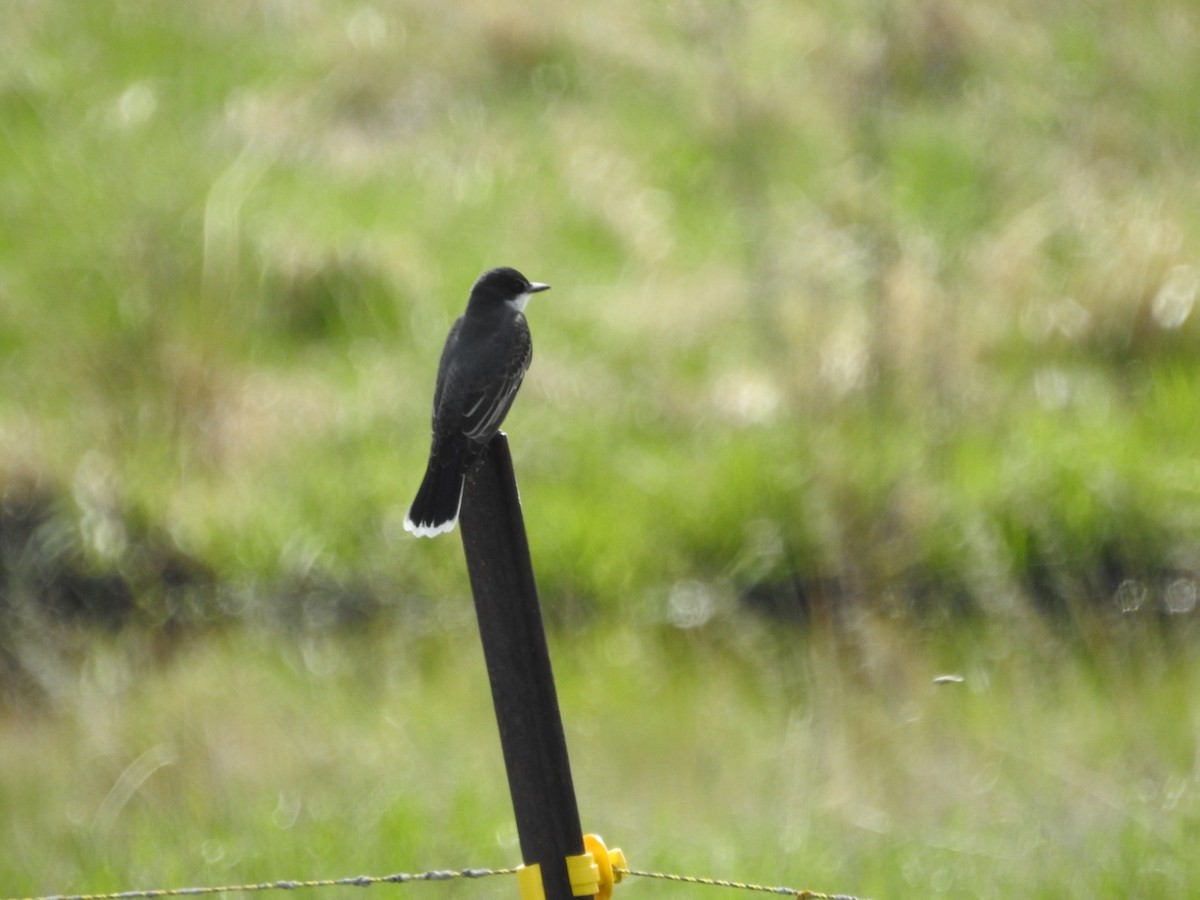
column 860, row 454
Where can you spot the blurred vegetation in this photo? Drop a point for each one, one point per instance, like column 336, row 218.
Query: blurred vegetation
column 865, row 315
column 886, row 298
column 799, row 759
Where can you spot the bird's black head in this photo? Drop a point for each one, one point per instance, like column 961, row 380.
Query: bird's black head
column 504, row 285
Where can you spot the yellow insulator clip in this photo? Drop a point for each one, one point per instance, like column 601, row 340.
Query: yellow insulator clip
column 584, row 875
column 529, row 882
column 610, row 863
column 592, row 873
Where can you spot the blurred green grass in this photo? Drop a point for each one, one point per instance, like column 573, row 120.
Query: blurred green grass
column 877, row 316
column 833, row 762
column 804, row 260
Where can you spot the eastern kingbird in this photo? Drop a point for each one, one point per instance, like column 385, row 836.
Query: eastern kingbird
column 486, row 355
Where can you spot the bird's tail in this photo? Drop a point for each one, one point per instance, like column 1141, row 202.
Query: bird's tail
column 435, row 509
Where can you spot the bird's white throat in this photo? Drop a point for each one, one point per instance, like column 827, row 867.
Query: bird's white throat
column 518, row 302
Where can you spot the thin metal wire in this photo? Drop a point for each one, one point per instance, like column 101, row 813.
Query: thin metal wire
column 352, row 881
column 799, row 893
column 432, row 875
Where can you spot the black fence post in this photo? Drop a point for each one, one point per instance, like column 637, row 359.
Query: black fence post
column 518, row 664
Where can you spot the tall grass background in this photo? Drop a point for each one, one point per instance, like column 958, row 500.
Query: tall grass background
column 871, row 358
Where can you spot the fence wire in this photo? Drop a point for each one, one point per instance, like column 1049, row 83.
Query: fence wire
column 351, row 881
column 413, row 877
column 799, row 893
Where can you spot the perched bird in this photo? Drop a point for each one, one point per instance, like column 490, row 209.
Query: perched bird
column 486, row 355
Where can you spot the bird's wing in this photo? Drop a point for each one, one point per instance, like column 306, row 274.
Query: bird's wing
column 483, row 418
column 486, row 408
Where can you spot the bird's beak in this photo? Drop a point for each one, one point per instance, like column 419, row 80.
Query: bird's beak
column 537, row 287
